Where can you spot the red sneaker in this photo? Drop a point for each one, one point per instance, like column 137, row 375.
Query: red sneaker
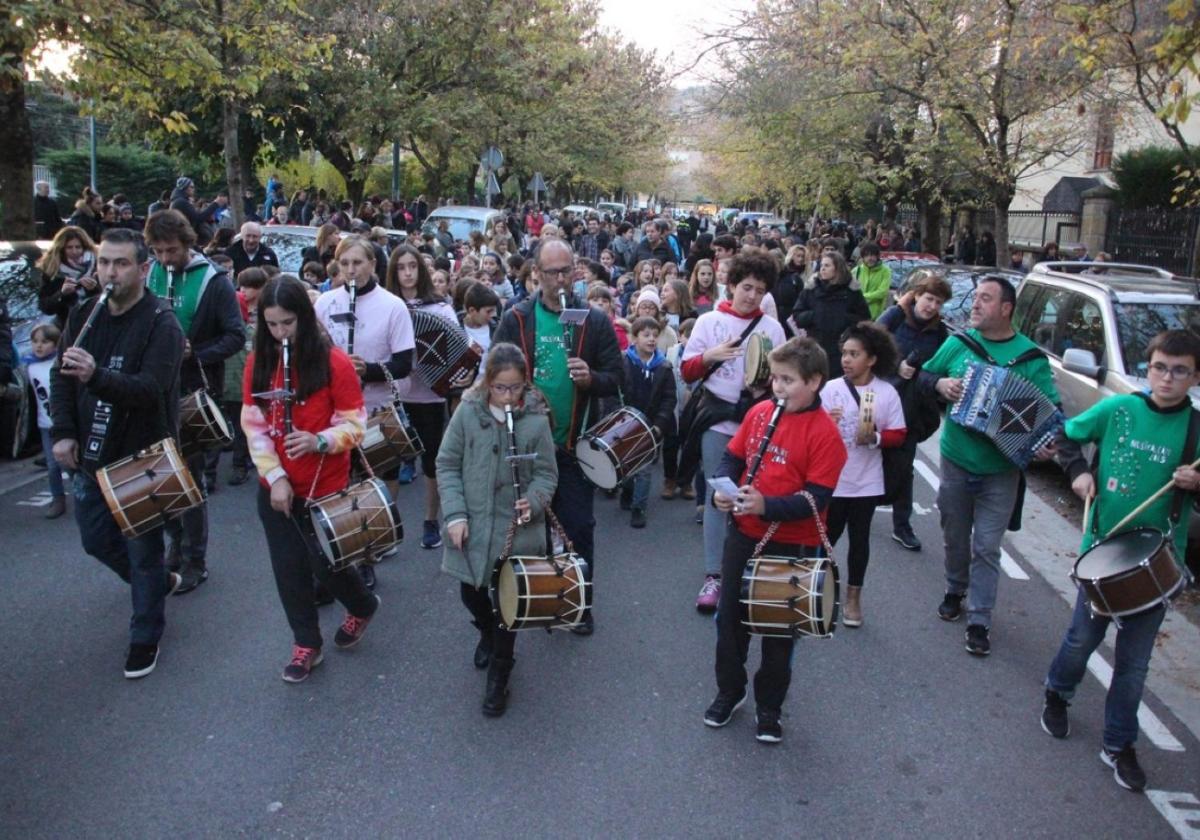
column 710, row 595
column 304, row 659
column 352, row 629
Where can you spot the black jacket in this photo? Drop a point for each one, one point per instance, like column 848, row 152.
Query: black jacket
column 595, row 343
column 661, row 252
column 180, row 202
column 824, row 311
column 46, row 216
column 217, row 333
column 137, row 375
column 651, row 392
column 86, row 221
column 241, row 261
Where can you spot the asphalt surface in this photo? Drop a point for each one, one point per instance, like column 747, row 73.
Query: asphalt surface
column 891, row 730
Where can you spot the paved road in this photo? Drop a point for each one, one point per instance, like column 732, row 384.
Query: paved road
column 891, row 729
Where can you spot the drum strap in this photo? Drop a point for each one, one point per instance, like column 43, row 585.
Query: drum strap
column 774, row 526
column 1189, row 447
column 741, row 338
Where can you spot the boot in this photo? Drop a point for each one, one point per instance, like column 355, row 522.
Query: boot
column 669, row 488
column 483, row 650
column 495, row 698
column 58, row 506
column 852, row 615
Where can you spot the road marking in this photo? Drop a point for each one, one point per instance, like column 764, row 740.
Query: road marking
column 40, row 500
column 1181, row 810
column 1154, row 728
column 1007, row 564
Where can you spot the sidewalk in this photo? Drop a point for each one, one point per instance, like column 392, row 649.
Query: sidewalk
column 1049, row 544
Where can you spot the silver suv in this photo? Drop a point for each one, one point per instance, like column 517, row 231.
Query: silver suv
column 1094, row 321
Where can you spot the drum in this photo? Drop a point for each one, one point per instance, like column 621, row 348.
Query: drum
column 1129, row 572
column 758, row 369
column 390, row 439
column 202, row 425
column 146, row 489
column 539, row 593
column 617, row 447
column 356, row 521
column 790, row 597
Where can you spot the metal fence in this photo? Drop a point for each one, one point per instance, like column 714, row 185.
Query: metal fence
column 1162, row 238
column 1030, row 229
column 42, row 173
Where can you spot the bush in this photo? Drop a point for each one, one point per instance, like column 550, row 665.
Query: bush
column 1147, row 177
column 141, row 175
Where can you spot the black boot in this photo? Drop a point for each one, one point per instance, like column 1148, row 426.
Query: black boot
column 495, row 699
column 483, row 650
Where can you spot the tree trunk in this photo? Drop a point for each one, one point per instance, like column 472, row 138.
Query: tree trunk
column 233, row 159
column 472, row 171
column 16, row 138
column 356, row 185
column 931, row 225
column 1002, row 196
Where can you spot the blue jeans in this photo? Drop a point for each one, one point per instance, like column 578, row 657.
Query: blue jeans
column 641, row 489
column 188, row 532
column 573, row 501
column 53, row 470
column 1135, row 644
column 138, row 561
column 975, row 510
column 712, row 450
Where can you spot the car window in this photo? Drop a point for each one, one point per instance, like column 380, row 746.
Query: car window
column 1084, row 328
column 1137, row 323
column 19, row 281
column 1042, row 321
column 289, row 247
column 460, row 228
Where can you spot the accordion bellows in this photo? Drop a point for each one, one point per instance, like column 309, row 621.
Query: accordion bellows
column 1009, row 410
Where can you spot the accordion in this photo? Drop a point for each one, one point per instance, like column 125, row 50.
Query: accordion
column 1009, row 410
column 443, row 352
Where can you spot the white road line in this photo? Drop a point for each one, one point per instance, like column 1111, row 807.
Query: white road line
column 40, row 500
column 1181, row 810
column 1007, row 564
column 1154, row 728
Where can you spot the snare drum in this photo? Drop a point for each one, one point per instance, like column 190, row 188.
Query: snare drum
column 539, row 593
column 1129, row 572
column 390, row 439
column 146, row 489
column 758, row 369
column 790, row 597
column 618, row 446
column 356, row 521
column 202, row 425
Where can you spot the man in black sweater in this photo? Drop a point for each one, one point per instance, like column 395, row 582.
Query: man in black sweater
column 115, row 394
column 249, row 251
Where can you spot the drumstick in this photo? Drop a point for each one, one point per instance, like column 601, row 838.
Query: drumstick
column 91, row 318
column 1133, row 514
column 1087, row 508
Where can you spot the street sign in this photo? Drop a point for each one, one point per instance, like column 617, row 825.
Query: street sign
column 493, row 186
column 537, row 184
column 491, row 159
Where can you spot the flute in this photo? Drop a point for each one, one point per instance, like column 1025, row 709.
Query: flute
column 91, row 318
column 353, row 292
column 287, row 386
column 762, row 447
column 514, row 460
column 568, row 329
column 171, row 285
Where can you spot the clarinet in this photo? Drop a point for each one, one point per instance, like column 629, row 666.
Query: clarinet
column 568, row 329
column 353, row 292
column 91, row 318
column 512, row 459
column 171, row 286
column 766, row 441
column 287, row 386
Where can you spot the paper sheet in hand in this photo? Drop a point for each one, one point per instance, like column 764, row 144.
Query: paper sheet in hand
column 277, row 394
column 724, row 485
column 573, row 316
column 343, row 318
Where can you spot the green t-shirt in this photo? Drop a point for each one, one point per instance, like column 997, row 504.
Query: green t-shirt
column 1140, row 447
column 189, row 287
column 972, row 451
column 550, row 371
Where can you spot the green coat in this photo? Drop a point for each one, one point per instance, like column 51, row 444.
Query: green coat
column 235, row 368
column 475, row 483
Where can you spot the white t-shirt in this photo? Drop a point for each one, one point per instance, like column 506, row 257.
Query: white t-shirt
column 863, row 474
column 382, row 326
column 39, row 378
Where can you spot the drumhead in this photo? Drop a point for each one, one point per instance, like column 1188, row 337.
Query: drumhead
column 325, row 535
column 1118, row 553
column 598, row 462
column 507, row 593
column 216, row 416
column 386, row 541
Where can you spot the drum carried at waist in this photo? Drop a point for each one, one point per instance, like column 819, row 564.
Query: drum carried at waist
column 355, row 523
column 149, row 487
column 758, row 368
column 1129, row 573
column 617, row 447
column 202, row 424
column 390, row 439
column 790, row 597
column 541, row 593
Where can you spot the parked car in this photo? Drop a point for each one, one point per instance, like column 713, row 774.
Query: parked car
column 19, row 282
column 463, row 220
column 613, row 209
column 962, row 279
column 289, row 241
column 902, row 262
column 580, row 211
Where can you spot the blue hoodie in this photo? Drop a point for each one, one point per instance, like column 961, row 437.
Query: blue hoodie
column 650, row 388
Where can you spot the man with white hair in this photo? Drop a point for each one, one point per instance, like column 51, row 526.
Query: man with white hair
column 249, row 251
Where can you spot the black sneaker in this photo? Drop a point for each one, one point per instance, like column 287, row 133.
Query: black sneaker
column 353, row 627
column 140, row 661
column 1054, row 715
column 586, row 627
column 638, row 519
column 720, row 712
column 770, row 730
column 951, row 607
column 431, row 536
column 907, row 538
column 977, row 640
column 1126, row 770
column 192, row 577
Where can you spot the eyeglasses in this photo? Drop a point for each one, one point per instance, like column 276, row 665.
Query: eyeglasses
column 557, row 272
column 508, row 389
column 1177, row 372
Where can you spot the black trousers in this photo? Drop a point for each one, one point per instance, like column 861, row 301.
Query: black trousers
column 429, row 419
column 733, row 640
column 573, row 505
column 295, row 559
column 188, row 532
column 480, row 605
column 902, row 505
column 853, row 515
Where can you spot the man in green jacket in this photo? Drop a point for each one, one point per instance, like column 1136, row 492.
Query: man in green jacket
column 874, row 278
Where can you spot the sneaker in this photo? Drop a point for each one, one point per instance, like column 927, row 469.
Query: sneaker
column 192, row 577
column 58, row 506
column 353, row 627
column 367, row 573
column 638, row 519
column 770, row 730
column 304, row 659
column 174, row 581
column 432, row 536
column 699, row 514
column 390, row 554
column 720, row 712
column 140, row 661
column 408, row 472
column 1054, row 715
column 951, row 607
column 977, row 640
column 710, row 594
column 907, row 538
column 1126, row 770
column 626, row 498
column 586, row 627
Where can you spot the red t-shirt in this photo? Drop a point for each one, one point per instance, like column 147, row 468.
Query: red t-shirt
column 806, row 448
column 316, row 414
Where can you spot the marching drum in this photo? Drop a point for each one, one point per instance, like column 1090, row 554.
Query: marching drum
column 1129, row 572
column 618, row 446
column 790, row 597
column 356, row 521
column 202, row 425
column 149, row 487
column 390, row 439
column 758, row 368
column 539, row 593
